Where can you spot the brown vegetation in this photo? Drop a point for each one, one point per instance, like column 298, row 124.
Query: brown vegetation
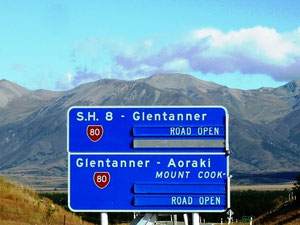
column 263, row 187
column 22, row 206
column 287, row 213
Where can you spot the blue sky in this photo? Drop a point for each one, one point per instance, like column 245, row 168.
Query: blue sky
column 58, row 45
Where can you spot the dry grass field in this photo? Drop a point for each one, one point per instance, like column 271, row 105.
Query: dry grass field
column 22, row 206
column 263, row 187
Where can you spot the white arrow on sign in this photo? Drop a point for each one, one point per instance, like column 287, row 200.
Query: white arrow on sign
column 230, row 212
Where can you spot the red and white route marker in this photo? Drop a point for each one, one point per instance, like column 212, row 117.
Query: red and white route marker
column 101, row 179
column 94, row 132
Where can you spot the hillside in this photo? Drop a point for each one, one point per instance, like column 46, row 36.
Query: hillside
column 264, row 123
column 288, row 213
column 22, row 206
column 17, row 103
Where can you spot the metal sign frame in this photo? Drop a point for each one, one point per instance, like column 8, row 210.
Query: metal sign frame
column 226, row 153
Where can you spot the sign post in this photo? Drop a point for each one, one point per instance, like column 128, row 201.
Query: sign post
column 104, row 219
column 230, row 214
column 148, row 159
column 196, row 219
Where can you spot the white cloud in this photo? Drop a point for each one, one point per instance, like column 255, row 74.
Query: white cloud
column 256, row 50
column 65, row 82
column 177, row 65
column 262, row 43
column 69, row 77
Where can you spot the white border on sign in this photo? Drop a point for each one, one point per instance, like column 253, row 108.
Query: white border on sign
column 152, row 153
column 141, row 210
column 103, row 107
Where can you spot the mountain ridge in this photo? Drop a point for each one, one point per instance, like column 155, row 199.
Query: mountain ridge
column 33, row 139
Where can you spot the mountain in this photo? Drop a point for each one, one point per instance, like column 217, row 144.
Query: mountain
column 264, row 123
column 17, row 103
column 289, row 126
column 10, row 91
column 253, row 105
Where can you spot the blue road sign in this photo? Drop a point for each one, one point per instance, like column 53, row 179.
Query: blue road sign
column 148, row 159
column 148, row 182
column 147, row 129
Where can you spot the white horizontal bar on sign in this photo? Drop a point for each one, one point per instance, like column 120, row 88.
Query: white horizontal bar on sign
column 167, row 143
